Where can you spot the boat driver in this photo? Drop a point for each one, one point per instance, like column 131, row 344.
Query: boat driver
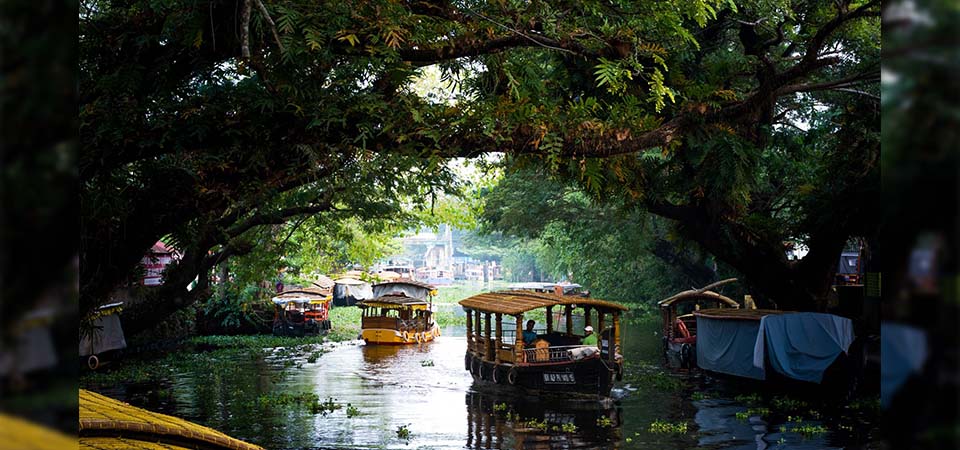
column 529, row 335
column 589, row 338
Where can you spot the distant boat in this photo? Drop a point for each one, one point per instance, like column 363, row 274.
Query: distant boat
column 399, row 313
column 302, row 312
column 348, row 291
column 555, row 362
column 572, row 289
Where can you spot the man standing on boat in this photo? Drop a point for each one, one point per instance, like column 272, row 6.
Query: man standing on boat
column 590, row 338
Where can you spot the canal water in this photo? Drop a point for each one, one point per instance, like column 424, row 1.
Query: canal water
column 421, row 397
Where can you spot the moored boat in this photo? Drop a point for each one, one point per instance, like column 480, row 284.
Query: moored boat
column 400, row 313
column 302, row 312
column 762, row 344
column 554, row 361
column 680, row 324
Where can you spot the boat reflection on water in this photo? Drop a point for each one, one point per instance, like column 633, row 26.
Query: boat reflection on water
column 498, row 420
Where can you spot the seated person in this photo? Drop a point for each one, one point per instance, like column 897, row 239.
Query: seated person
column 590, row 338
column 529, row 335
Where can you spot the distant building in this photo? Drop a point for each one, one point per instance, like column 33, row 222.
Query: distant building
column 155, row 262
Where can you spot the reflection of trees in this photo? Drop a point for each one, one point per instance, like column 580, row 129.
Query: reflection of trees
column 488, row 427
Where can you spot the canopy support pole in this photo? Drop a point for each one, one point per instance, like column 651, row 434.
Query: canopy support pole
column 549, row 319
column 518, row 344
column 488, row 347
column 568, row 310
column 469, row 331
column 499, row 341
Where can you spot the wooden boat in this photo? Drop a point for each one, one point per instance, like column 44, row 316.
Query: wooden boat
column 764, row 344
column 572, row 289
column 556, row 362
column 104, row 338
column 302, row 312
column 400, row 313
column 680, row 325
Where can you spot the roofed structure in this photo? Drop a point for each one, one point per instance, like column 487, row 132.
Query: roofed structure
column 107, row 423
column 518, row 302
column 391, row 301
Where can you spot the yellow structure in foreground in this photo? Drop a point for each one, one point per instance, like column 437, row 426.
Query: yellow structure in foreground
column 106, row 423
column 21, row 434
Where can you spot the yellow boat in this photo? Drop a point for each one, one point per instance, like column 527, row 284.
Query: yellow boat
column 400, row 313
column 106, row 423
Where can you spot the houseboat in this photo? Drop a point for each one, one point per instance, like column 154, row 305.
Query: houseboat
column 764, row 344
column 302, row 312
column 554, row 361
column 348, row 290
column 550, row 288
column 399, row 313
column 680, row 325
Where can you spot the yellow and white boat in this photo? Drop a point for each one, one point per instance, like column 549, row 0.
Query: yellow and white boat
column 400, row 313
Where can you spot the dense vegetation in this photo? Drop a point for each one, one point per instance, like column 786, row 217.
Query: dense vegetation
column 224, row 125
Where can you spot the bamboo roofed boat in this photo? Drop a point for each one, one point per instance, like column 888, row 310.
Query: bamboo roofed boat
column 106, row 423
column 302, row 312
column 400, row 313
column 680, row 324
column 553, row 361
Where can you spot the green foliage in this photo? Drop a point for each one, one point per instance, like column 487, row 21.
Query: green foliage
column 618, row 253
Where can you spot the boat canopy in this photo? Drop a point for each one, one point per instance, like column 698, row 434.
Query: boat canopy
column 323, row 282
column 797, row 345
column 693, row 295
column 409, row 288
column 306, row 295
column 394, row 302
column 518, row 302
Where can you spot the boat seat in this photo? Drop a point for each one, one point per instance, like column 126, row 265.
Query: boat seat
column 542, row 352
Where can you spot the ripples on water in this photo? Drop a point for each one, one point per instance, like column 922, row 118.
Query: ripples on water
column 426, row 390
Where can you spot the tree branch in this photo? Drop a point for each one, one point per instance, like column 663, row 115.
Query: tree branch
column 273, row 26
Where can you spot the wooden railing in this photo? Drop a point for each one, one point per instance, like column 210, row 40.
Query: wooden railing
column 390, row 323
column 560, row 353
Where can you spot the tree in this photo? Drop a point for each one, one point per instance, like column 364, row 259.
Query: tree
column 207, row 121
column 618, row 251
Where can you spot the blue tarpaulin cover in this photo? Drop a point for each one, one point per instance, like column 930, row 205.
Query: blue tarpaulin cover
column 801, row 345
column 726, row 346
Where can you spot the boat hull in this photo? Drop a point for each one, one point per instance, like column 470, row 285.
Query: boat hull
column 592, row 377
column 387, row 336
column 680, row 355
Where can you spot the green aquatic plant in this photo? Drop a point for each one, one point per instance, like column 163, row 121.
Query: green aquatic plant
column 785, row 404
column 663, row 427
column 700, row 395
column 534, row 423
column 352, row 411
column 750, row 399
column 604, row 422
column 759, row 412
column 808, row 430
column 500, row 407
column 403, row 432
column 568, row 428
